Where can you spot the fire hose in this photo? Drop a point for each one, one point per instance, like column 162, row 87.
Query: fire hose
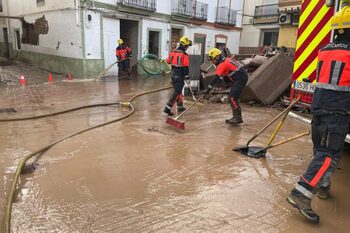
column 9, row 200
column 163, row 68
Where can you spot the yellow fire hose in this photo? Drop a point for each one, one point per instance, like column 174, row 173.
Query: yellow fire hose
column 9, row 200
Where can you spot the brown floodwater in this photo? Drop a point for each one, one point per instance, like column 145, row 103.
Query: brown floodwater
column 142, row 175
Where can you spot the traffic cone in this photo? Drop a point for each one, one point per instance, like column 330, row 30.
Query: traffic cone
column 50, row 78
column 22, row 80
column 70, row 76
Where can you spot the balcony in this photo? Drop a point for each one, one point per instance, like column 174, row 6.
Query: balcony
column 266, row 14
column 147, row 5
column 225, row 15
column 288, row 3
column 189, row 9
column 183, row 8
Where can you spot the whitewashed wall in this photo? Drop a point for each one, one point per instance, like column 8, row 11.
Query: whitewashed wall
column 63, row 38
column 23, row 7
column 232, row 40
column 163, row 28
column 163, row 6
column 92, row 36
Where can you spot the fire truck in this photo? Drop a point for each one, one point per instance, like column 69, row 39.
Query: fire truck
column 313, row 33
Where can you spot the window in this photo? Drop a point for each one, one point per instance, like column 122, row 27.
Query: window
column 295, row 18
column 40, row 2
column 29, row 35
column 18, row 39
column 1, row 6
column 269, row 37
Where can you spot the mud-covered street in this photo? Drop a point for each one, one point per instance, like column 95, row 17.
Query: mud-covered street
column 141, row 174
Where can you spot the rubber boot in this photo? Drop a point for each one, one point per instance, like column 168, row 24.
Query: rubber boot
column 323, row 192
column 167, row 110
column 237, row 116
column 303, row 204
column 180, row 107
column 233, row 114
column 129, row 74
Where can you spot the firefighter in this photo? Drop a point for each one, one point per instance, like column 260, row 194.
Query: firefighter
column 330, row 107
column 232, row 72
column 123, row 54
column 179, row 61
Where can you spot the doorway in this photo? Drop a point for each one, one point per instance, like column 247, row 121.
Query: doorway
column 153, row 43
column 200, row 39
column 6, row 41
column 129, row 32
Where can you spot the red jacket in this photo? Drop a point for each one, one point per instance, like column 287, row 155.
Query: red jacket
column 228, row 68
column 122, row 52
column 179, row 61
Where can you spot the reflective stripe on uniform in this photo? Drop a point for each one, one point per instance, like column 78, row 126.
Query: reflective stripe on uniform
column 332, row 87
column 234, row 103
column 304, row 191
column 337, row 68
column 321, row 172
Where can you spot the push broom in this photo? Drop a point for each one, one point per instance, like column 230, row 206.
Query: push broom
column 176, row 122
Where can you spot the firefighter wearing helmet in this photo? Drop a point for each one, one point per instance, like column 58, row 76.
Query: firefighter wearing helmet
column 331, row 108
column 123, row 54
column 179, row 61
column 231, row 72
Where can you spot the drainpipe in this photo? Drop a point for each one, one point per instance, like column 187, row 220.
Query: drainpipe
column 229, row 11
column 217, row 10
column 77, row 14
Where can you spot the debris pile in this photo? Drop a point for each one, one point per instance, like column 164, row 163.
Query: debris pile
column 269, row 78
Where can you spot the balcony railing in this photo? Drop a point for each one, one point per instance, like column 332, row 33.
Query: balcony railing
column 226, row 16
column 141, row 4
column 266, row 14
column 183, row 8
column 189, row 9
column 201, row 11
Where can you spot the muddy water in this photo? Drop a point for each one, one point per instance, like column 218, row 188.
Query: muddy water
column 141, row 175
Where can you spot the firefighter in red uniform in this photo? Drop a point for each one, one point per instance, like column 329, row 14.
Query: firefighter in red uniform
column 179, row 61
column 331, row 108
column 231, row 71
column 123, row 54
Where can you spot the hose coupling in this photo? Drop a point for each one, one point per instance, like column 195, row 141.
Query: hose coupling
column 125, row 104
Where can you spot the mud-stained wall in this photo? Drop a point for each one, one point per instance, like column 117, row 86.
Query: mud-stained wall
column 80, row 68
